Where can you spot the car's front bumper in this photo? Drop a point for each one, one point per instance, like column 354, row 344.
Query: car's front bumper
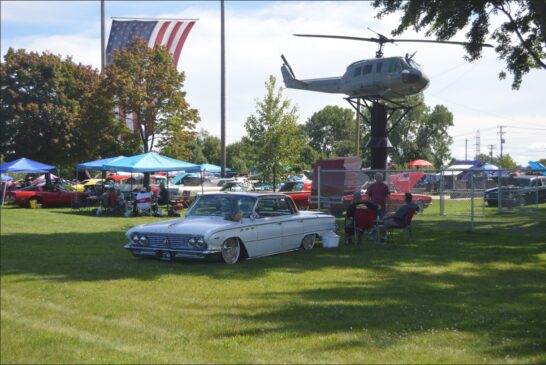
column 169, row 254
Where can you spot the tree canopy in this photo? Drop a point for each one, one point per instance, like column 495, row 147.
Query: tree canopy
column 273, row 132
column 42, row 96
column 330, row 131
column 144, row 81
column 521, row 38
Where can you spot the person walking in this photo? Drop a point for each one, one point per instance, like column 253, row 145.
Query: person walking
column 379, row 193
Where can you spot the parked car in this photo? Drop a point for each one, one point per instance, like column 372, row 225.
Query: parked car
column 231, row 226
column 54, row 196
column 86, row 184
column 299, row 191
column 518, row 191
column 237, row 186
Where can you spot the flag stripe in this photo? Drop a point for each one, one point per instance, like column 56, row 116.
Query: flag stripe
column 172, row 36
column 155, row 32
column 167, row 33
column 177, row 36
column 161, row 34
column 181, row 42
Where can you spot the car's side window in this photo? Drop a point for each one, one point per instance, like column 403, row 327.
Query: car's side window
column 273, row 207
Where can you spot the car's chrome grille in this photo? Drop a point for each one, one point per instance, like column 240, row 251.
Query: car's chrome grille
column 175, row 241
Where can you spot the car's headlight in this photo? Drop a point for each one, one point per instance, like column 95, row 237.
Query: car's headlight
column 135, row 238
column 198, row 242
column 143, row 240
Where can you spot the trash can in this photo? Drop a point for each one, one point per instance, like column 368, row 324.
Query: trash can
column 33, row 203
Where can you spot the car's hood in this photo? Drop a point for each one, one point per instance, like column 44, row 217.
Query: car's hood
column 191, row 225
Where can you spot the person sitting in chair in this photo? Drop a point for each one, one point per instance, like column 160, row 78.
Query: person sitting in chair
column 350, row 215
column 397, row 218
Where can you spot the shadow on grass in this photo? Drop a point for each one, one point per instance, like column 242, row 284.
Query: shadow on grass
column 502, row 304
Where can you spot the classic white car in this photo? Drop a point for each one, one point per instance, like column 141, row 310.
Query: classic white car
column 231, row 226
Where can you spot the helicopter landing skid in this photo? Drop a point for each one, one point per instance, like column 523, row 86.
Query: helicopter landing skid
column 381, row 110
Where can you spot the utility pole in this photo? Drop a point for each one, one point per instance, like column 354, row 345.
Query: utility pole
column 466, row 149
column 222, row 91
column 477, row 143
column 502, row 140
column 102, row 38
column 491, row 148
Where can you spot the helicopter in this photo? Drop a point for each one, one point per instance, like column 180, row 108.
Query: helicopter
column 391, row 78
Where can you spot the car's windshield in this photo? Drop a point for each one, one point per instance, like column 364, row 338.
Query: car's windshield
column 520, row 182
column 292, row 186
column 222, row 206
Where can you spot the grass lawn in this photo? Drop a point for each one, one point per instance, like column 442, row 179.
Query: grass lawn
column 71, row 294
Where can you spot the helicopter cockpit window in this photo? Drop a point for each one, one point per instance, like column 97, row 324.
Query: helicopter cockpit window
column 357, row 71
column 378, row 67
column 414, row 64
column 405, row 65
column 394, row 66
column 367, row 69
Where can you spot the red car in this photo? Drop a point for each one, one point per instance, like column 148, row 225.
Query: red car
column 299, row 191
column 54, row 196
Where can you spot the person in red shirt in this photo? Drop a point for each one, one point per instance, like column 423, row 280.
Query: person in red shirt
column 378, row 193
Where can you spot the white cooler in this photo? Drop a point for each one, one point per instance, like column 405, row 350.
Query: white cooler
column 330, row 240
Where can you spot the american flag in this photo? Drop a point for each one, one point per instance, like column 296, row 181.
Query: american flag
column 169, row 33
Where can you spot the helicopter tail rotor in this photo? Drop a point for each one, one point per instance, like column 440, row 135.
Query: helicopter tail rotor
column 288, row 66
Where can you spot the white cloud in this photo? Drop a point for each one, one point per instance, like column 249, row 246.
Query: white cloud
column 257, row 36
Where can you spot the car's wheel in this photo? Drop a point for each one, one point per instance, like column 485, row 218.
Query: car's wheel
column 308, row 242
column 520, row 201
column 231, row 250
column 36, row 199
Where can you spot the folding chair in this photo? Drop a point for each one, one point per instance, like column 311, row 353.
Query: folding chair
column 364, row 220
column 144, row 203
column 407, row 225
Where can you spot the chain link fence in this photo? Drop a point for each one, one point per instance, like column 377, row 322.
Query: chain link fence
column 445, row 192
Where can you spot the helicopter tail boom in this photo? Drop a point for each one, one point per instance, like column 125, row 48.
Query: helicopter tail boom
column 327, row 85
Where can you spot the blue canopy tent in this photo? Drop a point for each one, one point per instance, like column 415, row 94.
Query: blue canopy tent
column 148, row 162
column 5, row 177
column 24, row 165
column 205, row 167
column 98, row 164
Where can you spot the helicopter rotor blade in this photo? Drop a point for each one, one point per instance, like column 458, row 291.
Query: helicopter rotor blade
column 382, row 39
column 434, row 41
column 376, row 40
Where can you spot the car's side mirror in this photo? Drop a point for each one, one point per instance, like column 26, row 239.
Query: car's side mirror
column 253, row 216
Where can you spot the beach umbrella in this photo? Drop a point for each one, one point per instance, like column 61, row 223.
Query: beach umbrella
column 416, row 163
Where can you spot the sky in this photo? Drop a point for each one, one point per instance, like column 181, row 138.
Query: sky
column 258, row 32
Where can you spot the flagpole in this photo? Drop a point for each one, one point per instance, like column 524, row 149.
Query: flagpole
column 102, row 38
column 223, row 92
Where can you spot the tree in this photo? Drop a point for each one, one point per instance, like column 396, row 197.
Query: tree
column 240, row 156
column 274, row 133
column 211, row 146
column 330, row 131
column 521, row 39
column 144, row 81
column 507, row 161
column 42, row 96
